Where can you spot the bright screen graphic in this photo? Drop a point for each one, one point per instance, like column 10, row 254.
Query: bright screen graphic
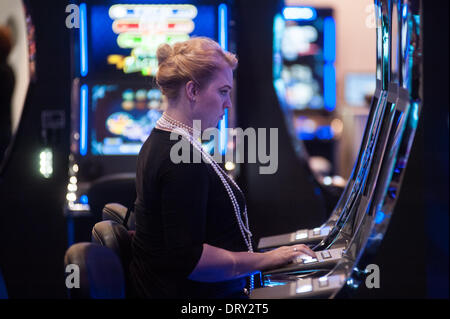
column 122, row 118
column 142, row 28
column 124, row 37
column 304, row 60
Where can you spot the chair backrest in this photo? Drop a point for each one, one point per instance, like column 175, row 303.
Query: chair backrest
column 100, row 273
column 117, row 213
column 118, row 188
column 116, row 237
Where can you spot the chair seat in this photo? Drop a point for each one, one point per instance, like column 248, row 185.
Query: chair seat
column 100, row 272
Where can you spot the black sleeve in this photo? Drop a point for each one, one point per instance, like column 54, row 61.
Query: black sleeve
column 184, row 194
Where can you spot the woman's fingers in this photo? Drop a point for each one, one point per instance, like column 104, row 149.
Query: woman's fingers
column 303, row 249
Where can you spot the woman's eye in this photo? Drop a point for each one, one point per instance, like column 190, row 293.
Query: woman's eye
column 224, row 92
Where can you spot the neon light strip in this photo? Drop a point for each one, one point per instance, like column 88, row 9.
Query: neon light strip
column 83, row 119
column 223, row 136
column 83, row 41
column 329, row 40
column 223, row 21
column 329, row 86
column 329, row 55
column 223, row 41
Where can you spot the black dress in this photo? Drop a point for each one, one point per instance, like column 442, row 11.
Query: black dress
column 179, row 207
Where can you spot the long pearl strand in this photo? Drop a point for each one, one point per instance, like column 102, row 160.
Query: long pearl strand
column 187, row 132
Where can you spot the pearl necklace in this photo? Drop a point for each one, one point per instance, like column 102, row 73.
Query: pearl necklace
column 166, row 122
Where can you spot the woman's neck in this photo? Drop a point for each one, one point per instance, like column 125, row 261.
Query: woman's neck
column 179, row 114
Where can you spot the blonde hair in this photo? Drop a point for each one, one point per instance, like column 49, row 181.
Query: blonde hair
column 195, row 59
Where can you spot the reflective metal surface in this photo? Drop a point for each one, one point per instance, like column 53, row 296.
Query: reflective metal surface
column 364, row 247
column 341, row 212
column 368, row 202
column 363, row 172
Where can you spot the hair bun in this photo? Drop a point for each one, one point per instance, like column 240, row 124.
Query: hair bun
column 164, row 51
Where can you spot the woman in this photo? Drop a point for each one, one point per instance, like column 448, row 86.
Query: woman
column 192, row 236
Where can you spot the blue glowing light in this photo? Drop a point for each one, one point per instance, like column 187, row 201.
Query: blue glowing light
column 329, row 55
column 223, row 41
column 83, row 119
column 84, row 199
column 83, row 41
column 278, row 29
column 405, row 11
column 329, row 86
column 415, row 114
column 329, row 39
column 324, row 132
column 223, row 29
column 379, row 217
column 274, row 284
column 223, row 136
column 299, row 13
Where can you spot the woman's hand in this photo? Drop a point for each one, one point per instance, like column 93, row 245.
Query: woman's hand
column 285, row 254
column 217, row 264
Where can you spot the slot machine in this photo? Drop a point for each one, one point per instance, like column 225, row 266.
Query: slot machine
column 115, row 100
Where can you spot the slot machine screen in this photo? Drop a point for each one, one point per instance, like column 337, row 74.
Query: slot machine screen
column 130, row 34
column 122, row 117
column 306, row 50
column 119, row 103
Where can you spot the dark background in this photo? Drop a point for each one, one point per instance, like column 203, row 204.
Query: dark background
column 413, row 258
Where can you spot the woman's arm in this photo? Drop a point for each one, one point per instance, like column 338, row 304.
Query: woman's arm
column 217, row 264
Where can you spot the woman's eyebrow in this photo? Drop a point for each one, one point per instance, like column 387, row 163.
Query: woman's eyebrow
column 226, row 86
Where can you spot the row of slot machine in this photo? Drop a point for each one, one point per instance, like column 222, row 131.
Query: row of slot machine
column 115, row 105
column 348, row 241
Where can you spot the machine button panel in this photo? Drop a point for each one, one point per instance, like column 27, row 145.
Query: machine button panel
column 323, row 282
column 325, row 254
column 305, row 259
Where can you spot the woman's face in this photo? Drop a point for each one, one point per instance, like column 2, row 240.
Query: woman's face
column 213, row 98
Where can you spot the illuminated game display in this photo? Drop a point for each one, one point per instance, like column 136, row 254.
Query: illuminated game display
column 123, row 118
column 119, row 42
column 132, row 33
column 304, row 71
column 143, row 28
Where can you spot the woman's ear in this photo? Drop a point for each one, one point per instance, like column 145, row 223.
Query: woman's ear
column 191, row 90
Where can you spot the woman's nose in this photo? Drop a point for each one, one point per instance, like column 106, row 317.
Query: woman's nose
column 227, row 104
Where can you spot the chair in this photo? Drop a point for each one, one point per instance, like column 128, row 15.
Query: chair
column 110, row 234
column 100, row 272
column 117, row 213
column 117, row 238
